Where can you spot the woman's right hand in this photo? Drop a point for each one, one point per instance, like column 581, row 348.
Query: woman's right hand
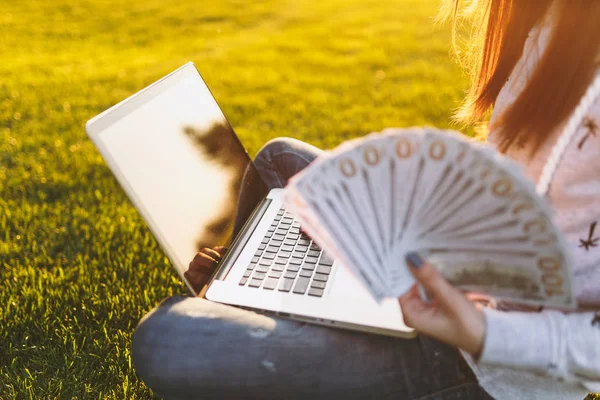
column 202, row 266
column 448, row 315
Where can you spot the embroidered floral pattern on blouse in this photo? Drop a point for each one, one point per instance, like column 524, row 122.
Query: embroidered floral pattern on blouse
column 592, row 129
column 591, row 240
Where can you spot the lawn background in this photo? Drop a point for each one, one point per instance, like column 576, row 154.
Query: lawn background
column 78, row 267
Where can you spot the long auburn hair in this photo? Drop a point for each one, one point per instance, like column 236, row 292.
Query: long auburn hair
column 499, row 29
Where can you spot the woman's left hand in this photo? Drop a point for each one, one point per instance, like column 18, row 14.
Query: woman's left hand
column 449, row 316
column 202, row 267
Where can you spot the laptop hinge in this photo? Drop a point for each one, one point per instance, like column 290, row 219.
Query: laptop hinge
column 238, row 244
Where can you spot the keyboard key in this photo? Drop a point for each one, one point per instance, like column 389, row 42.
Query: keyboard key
column 281, row 261
column 298, row 254
column 304, row 242
column 255, row 259
column 272, row 249
column 258, row 253
column 275, row 243
column 247, row 273
column 261, row 268
column 306, row 273
column 268, row 256
column 318, row 284
column 321, row 277
column 290, row 274
column 287, row 248
column 309, row 267
column 296, row 224
column 301, row 285
column 293, row 235
column 243, row 281
column 326, row 259
column 289, row 242
column 251, row 266
column 262, row 246
column 270, row 284
column 314, row 253
column 282, row 231
column 311, row 260
column 302, row 249
column 264, row 241
column 322, row 269
column 295, row 261
column 284, row 254
column 259, row 276
column 277, row 267
column 286, row 285
column 281, row 211
column 315, row 292
column 288, row 218
column 314, row 246
column 274, row 274
column 268, row 234
column 292, row 267
column 265, row 262
column 278, row 237
column 255, row 283
column 285, row 224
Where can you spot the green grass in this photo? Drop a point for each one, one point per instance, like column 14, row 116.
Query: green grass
column 78, row 267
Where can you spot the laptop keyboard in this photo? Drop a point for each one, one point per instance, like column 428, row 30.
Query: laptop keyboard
column 288, row 261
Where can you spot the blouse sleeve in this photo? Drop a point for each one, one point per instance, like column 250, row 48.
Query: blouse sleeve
column 565, row 346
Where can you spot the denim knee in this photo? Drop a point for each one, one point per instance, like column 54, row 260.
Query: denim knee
column 281, row 158
column 181, row 348
column 148, row 340
column 273, row 147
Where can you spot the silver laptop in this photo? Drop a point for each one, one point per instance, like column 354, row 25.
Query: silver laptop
column 185, row 170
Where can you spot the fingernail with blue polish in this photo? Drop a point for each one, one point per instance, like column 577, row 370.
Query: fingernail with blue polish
column 414, row 259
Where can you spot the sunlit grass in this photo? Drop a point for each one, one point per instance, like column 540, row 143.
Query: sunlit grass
column 78, row 267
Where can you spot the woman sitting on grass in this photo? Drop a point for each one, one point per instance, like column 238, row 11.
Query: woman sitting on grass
column 538, row 68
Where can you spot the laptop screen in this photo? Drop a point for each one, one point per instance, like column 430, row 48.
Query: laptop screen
column 184, row 168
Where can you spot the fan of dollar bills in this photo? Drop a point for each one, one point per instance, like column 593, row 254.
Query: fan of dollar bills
column 467, row 209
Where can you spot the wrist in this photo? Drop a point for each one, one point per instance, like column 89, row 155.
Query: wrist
column 478, row 332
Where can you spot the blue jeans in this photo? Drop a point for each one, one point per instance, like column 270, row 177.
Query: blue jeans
column 192, row 348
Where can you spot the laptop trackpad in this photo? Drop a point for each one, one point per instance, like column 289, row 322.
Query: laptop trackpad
column 350, row 293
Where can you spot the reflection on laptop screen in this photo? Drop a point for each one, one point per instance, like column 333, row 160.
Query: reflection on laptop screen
column 185, row 166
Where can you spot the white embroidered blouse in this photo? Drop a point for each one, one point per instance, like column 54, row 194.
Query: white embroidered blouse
column 521, row 346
